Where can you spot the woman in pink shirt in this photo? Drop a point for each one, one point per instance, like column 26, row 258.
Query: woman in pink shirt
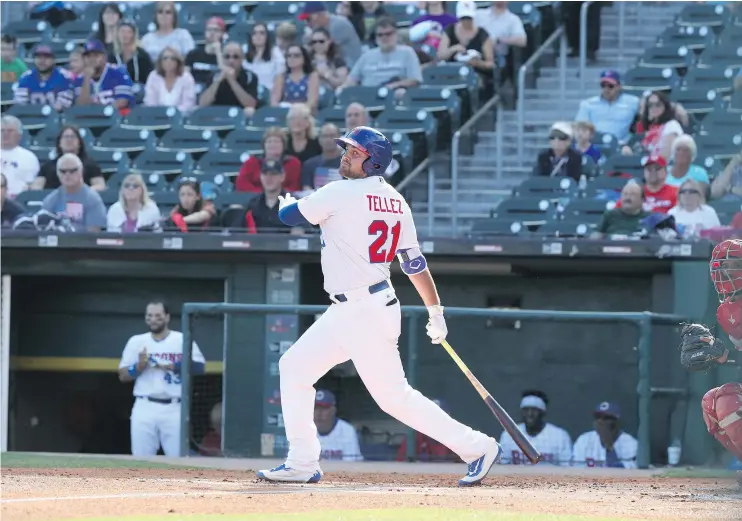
column 170, row 84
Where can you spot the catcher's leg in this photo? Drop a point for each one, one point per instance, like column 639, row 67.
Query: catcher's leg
column 722, row 412
column 145, row 440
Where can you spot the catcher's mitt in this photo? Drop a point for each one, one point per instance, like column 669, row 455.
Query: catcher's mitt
column 699, row 350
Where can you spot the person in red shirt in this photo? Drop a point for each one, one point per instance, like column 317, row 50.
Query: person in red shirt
column 659, row 197
column 426, row 448
column 274, row 148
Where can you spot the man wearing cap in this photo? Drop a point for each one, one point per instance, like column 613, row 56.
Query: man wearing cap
column 607, row 445
column 45, row 84
column 340, row 29
column 262, row 212
column 659, row 196
column 612, row 111
column 338, row 439
column 554, row 443
column 626, row 218
column 560, row 160
column 206, row 59
column 102, row 83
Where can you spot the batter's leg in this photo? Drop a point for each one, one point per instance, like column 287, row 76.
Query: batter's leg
column 144, row 437
column 169, row 427
column 316, row 352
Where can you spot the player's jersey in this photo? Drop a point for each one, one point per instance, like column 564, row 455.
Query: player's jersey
column 154, row 382
column 114, row 84
column 552, row 442
column 364, row 222
column 589, row 452
column 341, row 443
column 56, row 89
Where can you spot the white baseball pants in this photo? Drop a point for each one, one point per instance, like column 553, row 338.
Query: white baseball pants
column 154, row 424
column 366, row 332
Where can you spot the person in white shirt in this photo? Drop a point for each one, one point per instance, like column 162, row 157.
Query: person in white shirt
column 20, row 165
column 338, row 438
column 607, row 445
column 153, row 362
column 134, row 211
column 692, row 212
column 554, row 443
column 167, row 33
column 504, row 27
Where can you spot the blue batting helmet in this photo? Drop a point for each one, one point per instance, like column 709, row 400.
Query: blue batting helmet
column 374, row 143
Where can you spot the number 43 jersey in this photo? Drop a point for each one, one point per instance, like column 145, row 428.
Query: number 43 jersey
column 364, row 223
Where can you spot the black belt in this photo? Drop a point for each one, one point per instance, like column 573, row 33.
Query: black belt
column 160, row 400
column 379, row 286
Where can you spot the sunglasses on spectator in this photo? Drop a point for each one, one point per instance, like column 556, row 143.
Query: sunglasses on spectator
column 314, row 42
column 559, row 136
column 231, row 56
column 607, row 86
column 65, row 171
column 164, row 11
column 689, row 191
column 384, row 34
column 131, row 186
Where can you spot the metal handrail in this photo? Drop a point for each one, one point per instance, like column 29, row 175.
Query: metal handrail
column 583, row 44
column 558, row 33
column 415, row 172
column 484, row 109
column 431, row 191
column 621, row 25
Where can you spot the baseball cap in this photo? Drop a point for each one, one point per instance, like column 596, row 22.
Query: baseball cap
column 324, row 398
column 216, row 20
column 43, row 49
column 610, row 76
column 656, row 159
column 465, row 9
column 311, row 8
column 563, row 127
column 270, row 166
column 94, row 46
column 608, row 409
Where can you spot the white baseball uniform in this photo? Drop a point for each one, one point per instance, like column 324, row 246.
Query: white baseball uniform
column 589, row 452
column 552, row 442
column 341, row 443
column 364, row 222
column 155, row 423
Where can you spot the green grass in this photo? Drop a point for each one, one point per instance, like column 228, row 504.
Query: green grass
column 31, row 460
column 697, row 473
column 407, row 514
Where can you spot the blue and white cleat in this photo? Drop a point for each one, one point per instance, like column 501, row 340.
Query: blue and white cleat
column 479, row 468
column 285, row 474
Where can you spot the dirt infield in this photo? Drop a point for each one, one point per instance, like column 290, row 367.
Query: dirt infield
column 49, row 494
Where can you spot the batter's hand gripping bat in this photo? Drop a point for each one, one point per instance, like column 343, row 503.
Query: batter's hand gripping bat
column 502, row 416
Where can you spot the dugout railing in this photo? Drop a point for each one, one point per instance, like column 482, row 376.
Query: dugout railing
column 417, row 317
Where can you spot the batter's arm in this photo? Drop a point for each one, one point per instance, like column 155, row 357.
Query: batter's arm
column 425, row 286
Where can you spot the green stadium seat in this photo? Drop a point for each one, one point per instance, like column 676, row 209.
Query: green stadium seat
column 529, row 211
column 266, row 117
column 221, row 181
column 552, row 188
column 703, row 15
column 243, row 140
column 217, row 118
column 276, row 11
column 564, row 229
column 162, row 162
column 191, row 141
column 676, row 56
column 692, row 38
column 96, row 118
column 373, row 98
column 129, row 141
column 35, row 117
column 218, row 162
column 75, row 32
column 32, row 199
column 718, row 78
column 157, row 119
column 28, row 32
column 497, row 227
column 110, row 161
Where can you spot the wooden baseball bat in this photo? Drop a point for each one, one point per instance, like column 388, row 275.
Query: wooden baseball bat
column 502, row 416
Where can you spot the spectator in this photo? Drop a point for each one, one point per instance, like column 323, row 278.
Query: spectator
column 205, row 60
column 263, row 58
column 233, row 85
column 108, row 21
column 659, row 196
column 342, row 31
column 737, row 80
column 613, row 111
column 608, row 445
column 20, row 165
column 372, row 11
column 302, row 142
column 437, row 19
column 286, row 35
column 74, row 199
column 262, row 212
column 681, row 114
column 300, row 82
column 659, row 125
column 560, row 160
column 401, row 67
column 504, row 27
column 551, row 441
column 76, row 65
column 572, row 25
column 12, row 66
column 324, row 168
column 354, row 13
column 338, row 439
column 134, row 211
column 11, row 209
column 69, row 141
column 692, row 212
column 45, row 84
column 167, row 34
column 102, row 84
column 728, row 184
column 330, row 67
column 466, row 42
column 426, row 448
column 170, row 84
column 584, row 134
column 211, row 443
column 356, row 115
column 626, row 218
column 274, row 148
column 192, row 211
column 684, row 152
column 129, row 54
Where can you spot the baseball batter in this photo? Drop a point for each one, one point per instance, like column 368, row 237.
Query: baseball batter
column 365, row 223
column 153, row 362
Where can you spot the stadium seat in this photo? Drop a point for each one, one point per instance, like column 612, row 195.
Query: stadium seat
column 564, row 229
column 606, row 143
column 45, row 139
column 735, row 102
column 157, row 119
column 243, row 140
column 373, row 98
column 588, row 211
column 703, row 15
column 127, row 140
column 419, row 125
column 692, row 38
column 162, row 162
column 276, row 11
column 460, row 78
column 335, row 115
column 166, row 200
column 96, row 118
column 497, row 227
column 642, row 79
column 731, row 35
column 721, row 56
column 225, row 163
column 619, row 164
column 28, row 32
column 721, row 121
column 529, row 211
column 74, row 31
column 718, row 78
column 402, row 151
column 6, row 95
column 110, row 161
column 191, row 141
column 221, row 181
column 35, row 117
column 216, row 118
column 266, row 117
column 32, row 199
column 726, row 207
column 199, row 12
column 442, row 102
column 195, row 27
column 403, row 13
column 552, row 188
column 589, row 167
column 605, row 187
column 697, row 102
column 109, row 196
column 674, row 56
column 719, row 145
column 155, row 182
column 240, row 33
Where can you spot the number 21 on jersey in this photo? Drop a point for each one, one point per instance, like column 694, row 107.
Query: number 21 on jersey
column 377, row 253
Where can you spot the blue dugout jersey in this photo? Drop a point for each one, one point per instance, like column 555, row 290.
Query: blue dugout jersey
column 57, row 88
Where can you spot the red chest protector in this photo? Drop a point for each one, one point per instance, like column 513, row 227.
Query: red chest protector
column 729, row 316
